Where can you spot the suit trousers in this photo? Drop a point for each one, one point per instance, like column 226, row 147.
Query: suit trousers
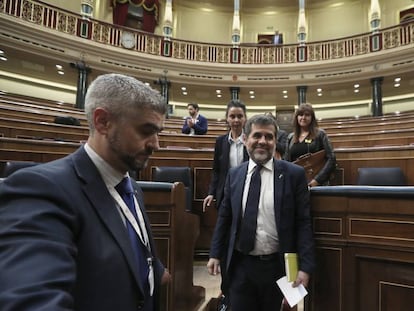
column 253, row 282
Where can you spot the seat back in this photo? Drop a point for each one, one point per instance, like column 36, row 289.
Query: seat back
column 173, row 174
column 12, row 166
column 381, row 176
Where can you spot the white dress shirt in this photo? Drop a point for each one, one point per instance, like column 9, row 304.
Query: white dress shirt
column 267, row 241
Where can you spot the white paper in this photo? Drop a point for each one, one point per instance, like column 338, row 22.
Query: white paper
column 292, row 294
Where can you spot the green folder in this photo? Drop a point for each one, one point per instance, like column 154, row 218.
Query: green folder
column 291, row 266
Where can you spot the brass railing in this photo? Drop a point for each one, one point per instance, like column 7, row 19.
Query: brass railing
column 74, row 24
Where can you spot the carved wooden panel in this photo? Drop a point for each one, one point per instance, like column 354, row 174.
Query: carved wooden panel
column 328, row 279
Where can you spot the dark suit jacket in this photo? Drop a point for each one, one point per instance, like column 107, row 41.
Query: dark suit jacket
column 63, row 243
column 221, row 166
column 200, row 128
column 292, row 212
column 281, row 142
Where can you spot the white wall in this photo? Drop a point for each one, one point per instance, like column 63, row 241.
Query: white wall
column 197, row 25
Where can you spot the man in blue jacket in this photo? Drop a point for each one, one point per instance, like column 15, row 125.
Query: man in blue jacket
column 69, row 240
column 195, row 123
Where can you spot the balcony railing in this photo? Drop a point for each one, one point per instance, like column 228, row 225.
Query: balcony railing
column 249, row 54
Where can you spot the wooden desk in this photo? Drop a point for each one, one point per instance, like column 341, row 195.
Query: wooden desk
column 365, row 248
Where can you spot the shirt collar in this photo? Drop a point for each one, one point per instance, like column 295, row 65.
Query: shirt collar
column 238, row 140
column 268, row 165
column 110, row 176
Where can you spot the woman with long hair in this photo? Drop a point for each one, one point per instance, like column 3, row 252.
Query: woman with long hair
column 307, row 137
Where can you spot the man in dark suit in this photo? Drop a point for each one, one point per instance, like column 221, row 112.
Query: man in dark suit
column 195, row 124
column 282, row 223
column 63, row 235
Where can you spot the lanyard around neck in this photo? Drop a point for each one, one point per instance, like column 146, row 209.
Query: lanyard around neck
column 139, row 228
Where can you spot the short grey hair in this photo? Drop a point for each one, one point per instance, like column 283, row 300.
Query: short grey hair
column 260, row 119
column 121, row 95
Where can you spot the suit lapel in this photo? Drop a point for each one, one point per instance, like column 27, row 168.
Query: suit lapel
column 245, row 154
column 225, row 153
column 105, row 207
column 238, row 191
column 279, row 184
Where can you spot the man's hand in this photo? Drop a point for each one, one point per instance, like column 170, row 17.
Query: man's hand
column 166, row 277
column 190, row 122
column 313, row 183
column 207, row 202
column 301, row 278
column 213, row 266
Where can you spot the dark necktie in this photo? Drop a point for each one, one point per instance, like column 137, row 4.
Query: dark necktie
column 249, row 222
column 126, row 191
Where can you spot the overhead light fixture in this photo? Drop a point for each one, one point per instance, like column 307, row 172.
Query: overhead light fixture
column 284, row 91
column 285, row 96
column 183, row 88
column 218, row 91
column 3, row 58
column 397, row 85
column 356, row 91
column 219, row 95
column 61, row 72
column 319, row 90
column 185, row 93
column 356, row 85
column 251, row 92
column 397, row 79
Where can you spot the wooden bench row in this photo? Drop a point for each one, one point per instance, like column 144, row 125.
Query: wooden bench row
column 367, row 119
column 383, row 126
column 201, row 161
column 374, row 156
column 39, row 111
column 30, row 111
column 37, row 101
column 40, row 103
column 18, row 128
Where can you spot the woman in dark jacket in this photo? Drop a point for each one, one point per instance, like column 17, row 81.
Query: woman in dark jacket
column 309, row 138
column 229, row 151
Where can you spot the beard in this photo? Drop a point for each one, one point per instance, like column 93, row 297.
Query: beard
column 131, row 161
column 260, row 157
